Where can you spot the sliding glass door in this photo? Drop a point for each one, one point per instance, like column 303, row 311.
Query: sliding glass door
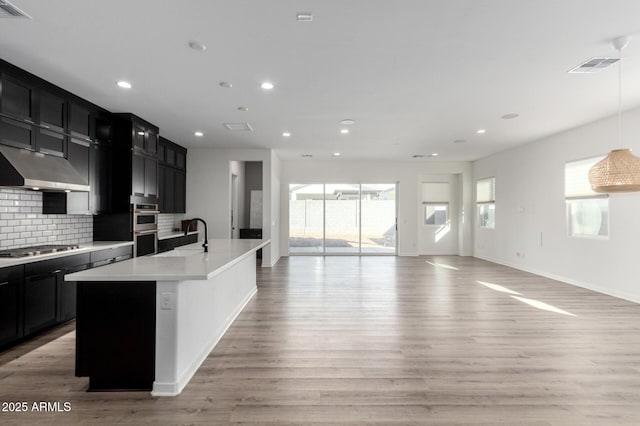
column 342, row 218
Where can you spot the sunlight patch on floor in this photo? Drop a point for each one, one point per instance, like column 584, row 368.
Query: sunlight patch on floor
column 543, row 306
column 442, row 265
column 498, row 287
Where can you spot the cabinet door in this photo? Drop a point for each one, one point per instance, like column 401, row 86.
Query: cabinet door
column 162, row 206
column 100, row 178
column 181, row 158
column 79, row 121
column 150, row 177
column 79, row 155
column 151, row 146
column 10, row 306
column 16, row 133
column 169, row 190
column 137, row 175
column 139, row 135
column 52, row 111
column 49, row 142
column 40, row 302
column 171, row 155
column 180, row 191
column 162, row 148
column 18, row 98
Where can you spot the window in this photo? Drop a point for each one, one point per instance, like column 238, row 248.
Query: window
column 436, row 214
column 587, row 212
column 486, row 202
column 435, row 200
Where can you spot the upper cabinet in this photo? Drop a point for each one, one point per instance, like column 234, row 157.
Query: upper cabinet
column 172, row 177
column 136, row 159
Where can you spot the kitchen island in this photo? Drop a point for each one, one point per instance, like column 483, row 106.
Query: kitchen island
column 150, row 322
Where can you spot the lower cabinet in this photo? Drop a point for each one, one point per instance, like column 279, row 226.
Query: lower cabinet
column 35, row 296
column 11, row 320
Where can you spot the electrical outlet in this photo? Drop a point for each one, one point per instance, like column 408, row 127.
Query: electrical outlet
column 167, row 301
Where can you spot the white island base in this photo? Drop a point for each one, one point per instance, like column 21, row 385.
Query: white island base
column 172, row 309
column 188, row 329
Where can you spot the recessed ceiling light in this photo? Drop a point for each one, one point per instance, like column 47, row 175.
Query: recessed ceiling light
column 243, row 109
column 344, row 131
column 267, row 85
column 459, row 141
column 67, row 191
column 336, row 154
column 434, row 154
column 197, row 46
column 141, row 133
column 510, row 116
column 306, row 155
column 286, row 134
column 198, row 134
column 124, row 84
column 35, row 188
column 225, row 84
column 304, row 17
column 481, row 131
column 348, row 122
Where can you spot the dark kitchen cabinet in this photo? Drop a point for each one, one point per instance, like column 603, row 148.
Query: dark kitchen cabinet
column 18, row 98
column 79, row 125
column 180, row 201
column 137, row 175
column 11, row 287
column 48, row 299
column 167, row 244
column 16, row 133
column 53, row 111
column 172, row 177
column 135, row 163
column 40, row 301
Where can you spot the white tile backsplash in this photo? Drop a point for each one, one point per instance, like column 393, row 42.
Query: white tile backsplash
column 168, row 222
column 22, row 223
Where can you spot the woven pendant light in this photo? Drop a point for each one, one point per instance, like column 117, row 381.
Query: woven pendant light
column 619, row 171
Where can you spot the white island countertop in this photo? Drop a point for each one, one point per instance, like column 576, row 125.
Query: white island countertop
column 184, row 263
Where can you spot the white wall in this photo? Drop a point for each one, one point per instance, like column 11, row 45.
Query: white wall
column 407, row 173
column 209, row 197
column 530, row 212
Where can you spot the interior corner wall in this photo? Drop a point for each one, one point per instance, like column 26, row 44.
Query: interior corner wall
column 405, row 173
column 531, row 232
column 208, row 191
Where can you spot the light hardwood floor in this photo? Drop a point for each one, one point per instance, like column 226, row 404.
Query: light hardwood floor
column 379, row 340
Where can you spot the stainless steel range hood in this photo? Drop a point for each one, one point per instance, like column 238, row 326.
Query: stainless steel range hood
column 33, row 170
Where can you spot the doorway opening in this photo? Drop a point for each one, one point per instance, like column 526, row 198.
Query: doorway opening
column 343, row 219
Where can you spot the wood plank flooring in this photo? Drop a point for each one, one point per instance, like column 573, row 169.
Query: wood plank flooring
column 379, row 340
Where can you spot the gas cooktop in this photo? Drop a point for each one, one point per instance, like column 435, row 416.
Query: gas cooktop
column 36, row 250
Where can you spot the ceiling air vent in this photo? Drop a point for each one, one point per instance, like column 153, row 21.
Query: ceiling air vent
column 7, row 10
column 593, row 65
column 238, row 127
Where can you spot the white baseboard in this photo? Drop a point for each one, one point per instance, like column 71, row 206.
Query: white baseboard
column 589, row 286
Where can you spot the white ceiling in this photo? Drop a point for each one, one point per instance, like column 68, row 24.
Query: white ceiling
column 414, row 75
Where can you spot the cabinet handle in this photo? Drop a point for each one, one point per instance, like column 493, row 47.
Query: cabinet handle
column 44, row 126
column 87, row 139
column 4, row 283
column 29, row 121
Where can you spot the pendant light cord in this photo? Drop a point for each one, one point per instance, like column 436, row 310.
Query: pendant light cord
column 619, row 97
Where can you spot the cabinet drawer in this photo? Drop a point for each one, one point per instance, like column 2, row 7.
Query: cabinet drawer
column 113, row 253
column 61, row 263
